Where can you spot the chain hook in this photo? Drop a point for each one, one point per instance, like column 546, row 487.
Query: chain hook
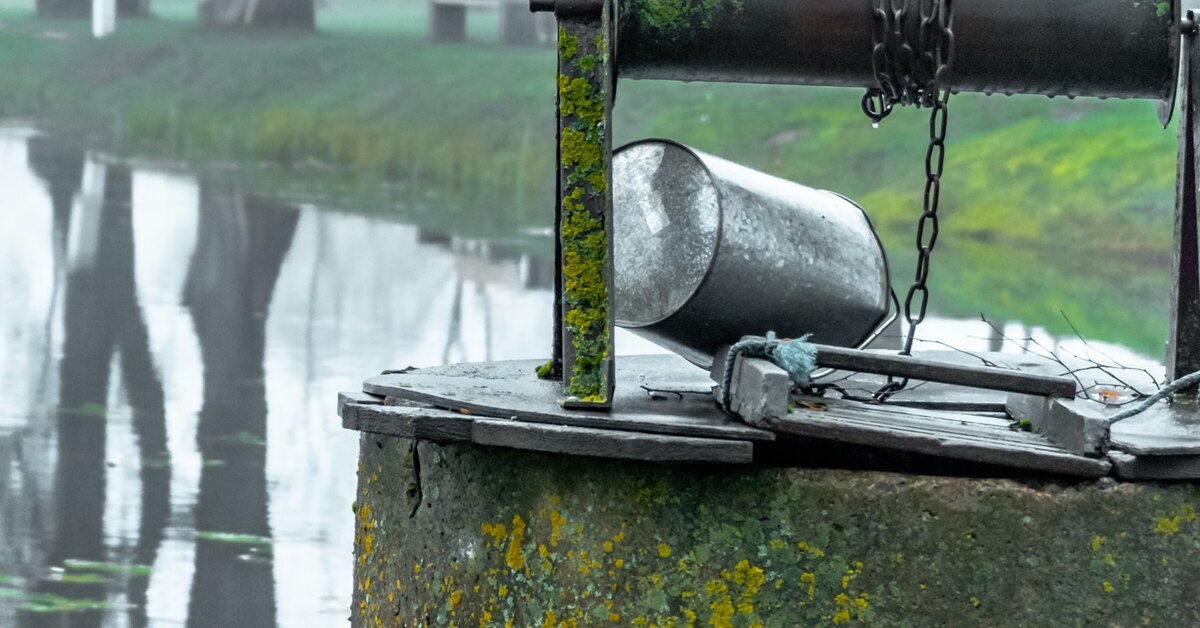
column 875, row 106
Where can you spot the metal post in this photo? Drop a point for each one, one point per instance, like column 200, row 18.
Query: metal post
column 1183, row 347
column 584, row 203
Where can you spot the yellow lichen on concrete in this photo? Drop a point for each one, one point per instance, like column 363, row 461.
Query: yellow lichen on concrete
column 515, row 556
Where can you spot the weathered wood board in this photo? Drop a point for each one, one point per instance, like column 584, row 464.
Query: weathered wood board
column 510, row 390
column 951, row 435
column 425, row 423
column 940, row 396
column 955, row 372
column 407, row 422
column 1130, row 467
column 660, row 399
column 582, row 441
column 356, row 397
column 1163, row 430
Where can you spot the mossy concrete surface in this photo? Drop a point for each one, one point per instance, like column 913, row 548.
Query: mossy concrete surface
column 468, row 535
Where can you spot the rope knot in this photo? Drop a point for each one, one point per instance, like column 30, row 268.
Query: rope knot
column 797, row 357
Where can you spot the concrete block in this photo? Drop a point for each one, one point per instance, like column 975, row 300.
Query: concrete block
column 1073, row 424
column 759, row 391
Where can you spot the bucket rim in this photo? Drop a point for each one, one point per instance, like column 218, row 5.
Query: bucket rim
column 692, row 152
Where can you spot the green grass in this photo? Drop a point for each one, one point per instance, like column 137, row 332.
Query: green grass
column 1086, row 183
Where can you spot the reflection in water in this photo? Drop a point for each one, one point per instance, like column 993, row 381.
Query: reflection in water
column 103, row 327
column 240, row 247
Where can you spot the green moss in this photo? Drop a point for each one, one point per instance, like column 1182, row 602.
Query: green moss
column 578, row 97
column 546, row 370
column 568, row 44
column 578, row 150
column 674, row 20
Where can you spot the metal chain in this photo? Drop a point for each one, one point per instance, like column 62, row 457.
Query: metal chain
column 894, row 62
column 929, row 88
column 878, row 101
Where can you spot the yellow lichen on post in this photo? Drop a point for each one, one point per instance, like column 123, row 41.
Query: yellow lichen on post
column 585, row 205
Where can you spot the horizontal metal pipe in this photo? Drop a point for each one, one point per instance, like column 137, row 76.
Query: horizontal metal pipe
column 1101, row 48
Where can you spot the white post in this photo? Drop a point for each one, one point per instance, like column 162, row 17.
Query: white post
column 104, row 17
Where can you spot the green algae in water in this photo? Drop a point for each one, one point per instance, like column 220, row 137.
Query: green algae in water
column 50, row 603
column 72, row 564
column 78, row 578
column 231, row 537
column 254, row 559
column 98, row 410
column 240, row 438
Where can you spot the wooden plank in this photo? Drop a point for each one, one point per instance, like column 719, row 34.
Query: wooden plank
column 510, row 389
column 356, row 397
column 580, row 441
column 408, row 422
column 950, row 435
column 1130, row 467
column 986, row 377
column 1163, row 430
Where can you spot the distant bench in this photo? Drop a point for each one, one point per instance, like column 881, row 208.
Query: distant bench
column 448, row 21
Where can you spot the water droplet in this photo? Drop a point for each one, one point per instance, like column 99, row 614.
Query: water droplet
column 874, row 125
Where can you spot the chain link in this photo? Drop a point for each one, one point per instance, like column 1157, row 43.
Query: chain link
column 878, row 101
column 924, row 84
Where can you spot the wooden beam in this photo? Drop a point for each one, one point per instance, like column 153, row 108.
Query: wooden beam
column 987, row 377
column 582, row 441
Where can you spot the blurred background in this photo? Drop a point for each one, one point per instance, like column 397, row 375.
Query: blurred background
column 220, row 214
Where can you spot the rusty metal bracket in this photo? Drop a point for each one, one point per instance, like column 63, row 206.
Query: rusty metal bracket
column 1183, row 346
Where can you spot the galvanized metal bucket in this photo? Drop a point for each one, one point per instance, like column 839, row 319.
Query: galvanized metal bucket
column 707, row 251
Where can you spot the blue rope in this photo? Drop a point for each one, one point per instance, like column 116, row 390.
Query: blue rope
column 797, row 356
column 1169, row 389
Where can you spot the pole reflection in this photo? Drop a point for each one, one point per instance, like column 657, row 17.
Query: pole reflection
column 103, row 327
column 240, row 247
